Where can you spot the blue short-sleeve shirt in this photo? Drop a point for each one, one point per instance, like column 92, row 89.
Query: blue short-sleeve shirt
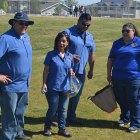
column 59, row 70
column 126, row 59
column 81, row 44
column 15, row 61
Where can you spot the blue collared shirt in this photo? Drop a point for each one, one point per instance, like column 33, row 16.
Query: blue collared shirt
column 81, row 44
column 59, row 70
column 126, row 59
column 15, row 61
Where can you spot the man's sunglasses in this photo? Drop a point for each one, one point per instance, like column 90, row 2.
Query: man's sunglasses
column 126, row 31
column 86, row 25
column 23, row 23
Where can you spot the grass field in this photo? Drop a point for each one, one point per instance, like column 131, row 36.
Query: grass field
column 97, row 125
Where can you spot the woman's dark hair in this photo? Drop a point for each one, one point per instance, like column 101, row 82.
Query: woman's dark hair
column 132, row 26
column 58, row 37
column 85, row 16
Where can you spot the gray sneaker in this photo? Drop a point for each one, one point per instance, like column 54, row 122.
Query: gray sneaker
column 47, row 131
column 122, row 123
column 63, row 132
column 132, row 130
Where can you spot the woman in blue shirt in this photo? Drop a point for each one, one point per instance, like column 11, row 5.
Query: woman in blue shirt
column 58, row 68
column 123, row 70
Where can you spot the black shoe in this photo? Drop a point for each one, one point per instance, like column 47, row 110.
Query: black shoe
column 23, row 137
column 47, row 131
column 63, row 132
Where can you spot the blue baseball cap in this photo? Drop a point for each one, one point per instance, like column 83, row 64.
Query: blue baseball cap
column 21, row 16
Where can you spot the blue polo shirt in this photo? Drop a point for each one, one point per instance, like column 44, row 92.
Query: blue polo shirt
column 126, row 63
column 59, row 70
column 81, row 44
column 15, row 61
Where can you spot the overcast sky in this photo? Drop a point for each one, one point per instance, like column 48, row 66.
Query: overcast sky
column 86, row 2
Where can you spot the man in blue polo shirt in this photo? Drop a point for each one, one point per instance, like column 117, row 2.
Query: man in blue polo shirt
column 15, row 71
column 82, row 47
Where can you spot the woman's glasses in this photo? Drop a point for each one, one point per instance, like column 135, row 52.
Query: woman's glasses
column 125, row 31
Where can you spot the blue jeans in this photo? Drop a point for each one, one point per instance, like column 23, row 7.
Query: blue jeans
column 57, row 102
column 13, row 107
column 73, row 102
column 128, row 97
column 0, row 98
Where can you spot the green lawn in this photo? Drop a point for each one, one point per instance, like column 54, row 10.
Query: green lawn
column 97, row 125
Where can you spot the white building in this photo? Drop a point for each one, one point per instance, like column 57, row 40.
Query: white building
column 115, row 8
column 54, row 7
column 126, row 2
column 116, row 1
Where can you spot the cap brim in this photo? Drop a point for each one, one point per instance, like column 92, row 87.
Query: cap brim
column 30, row 22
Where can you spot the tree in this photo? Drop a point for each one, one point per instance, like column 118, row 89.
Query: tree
column 71, row 2
column 4, row 5
column 35, row 6
column 1, row 1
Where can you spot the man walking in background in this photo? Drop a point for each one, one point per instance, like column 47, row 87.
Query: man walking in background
column 15, row 72
column 82, row 47
column 76, row 11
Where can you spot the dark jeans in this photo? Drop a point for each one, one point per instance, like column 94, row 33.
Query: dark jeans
column 57, row 102
column 128, row 97
column 73, row 102
column 13, row 107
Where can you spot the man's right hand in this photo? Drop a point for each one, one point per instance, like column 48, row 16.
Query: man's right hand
column 44, row 88
column 109, row 78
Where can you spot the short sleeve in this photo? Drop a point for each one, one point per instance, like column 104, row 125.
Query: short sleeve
column 111, row 54
column 93, row 46
column 48, row 59
column 3, row 46
column 90, row 43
